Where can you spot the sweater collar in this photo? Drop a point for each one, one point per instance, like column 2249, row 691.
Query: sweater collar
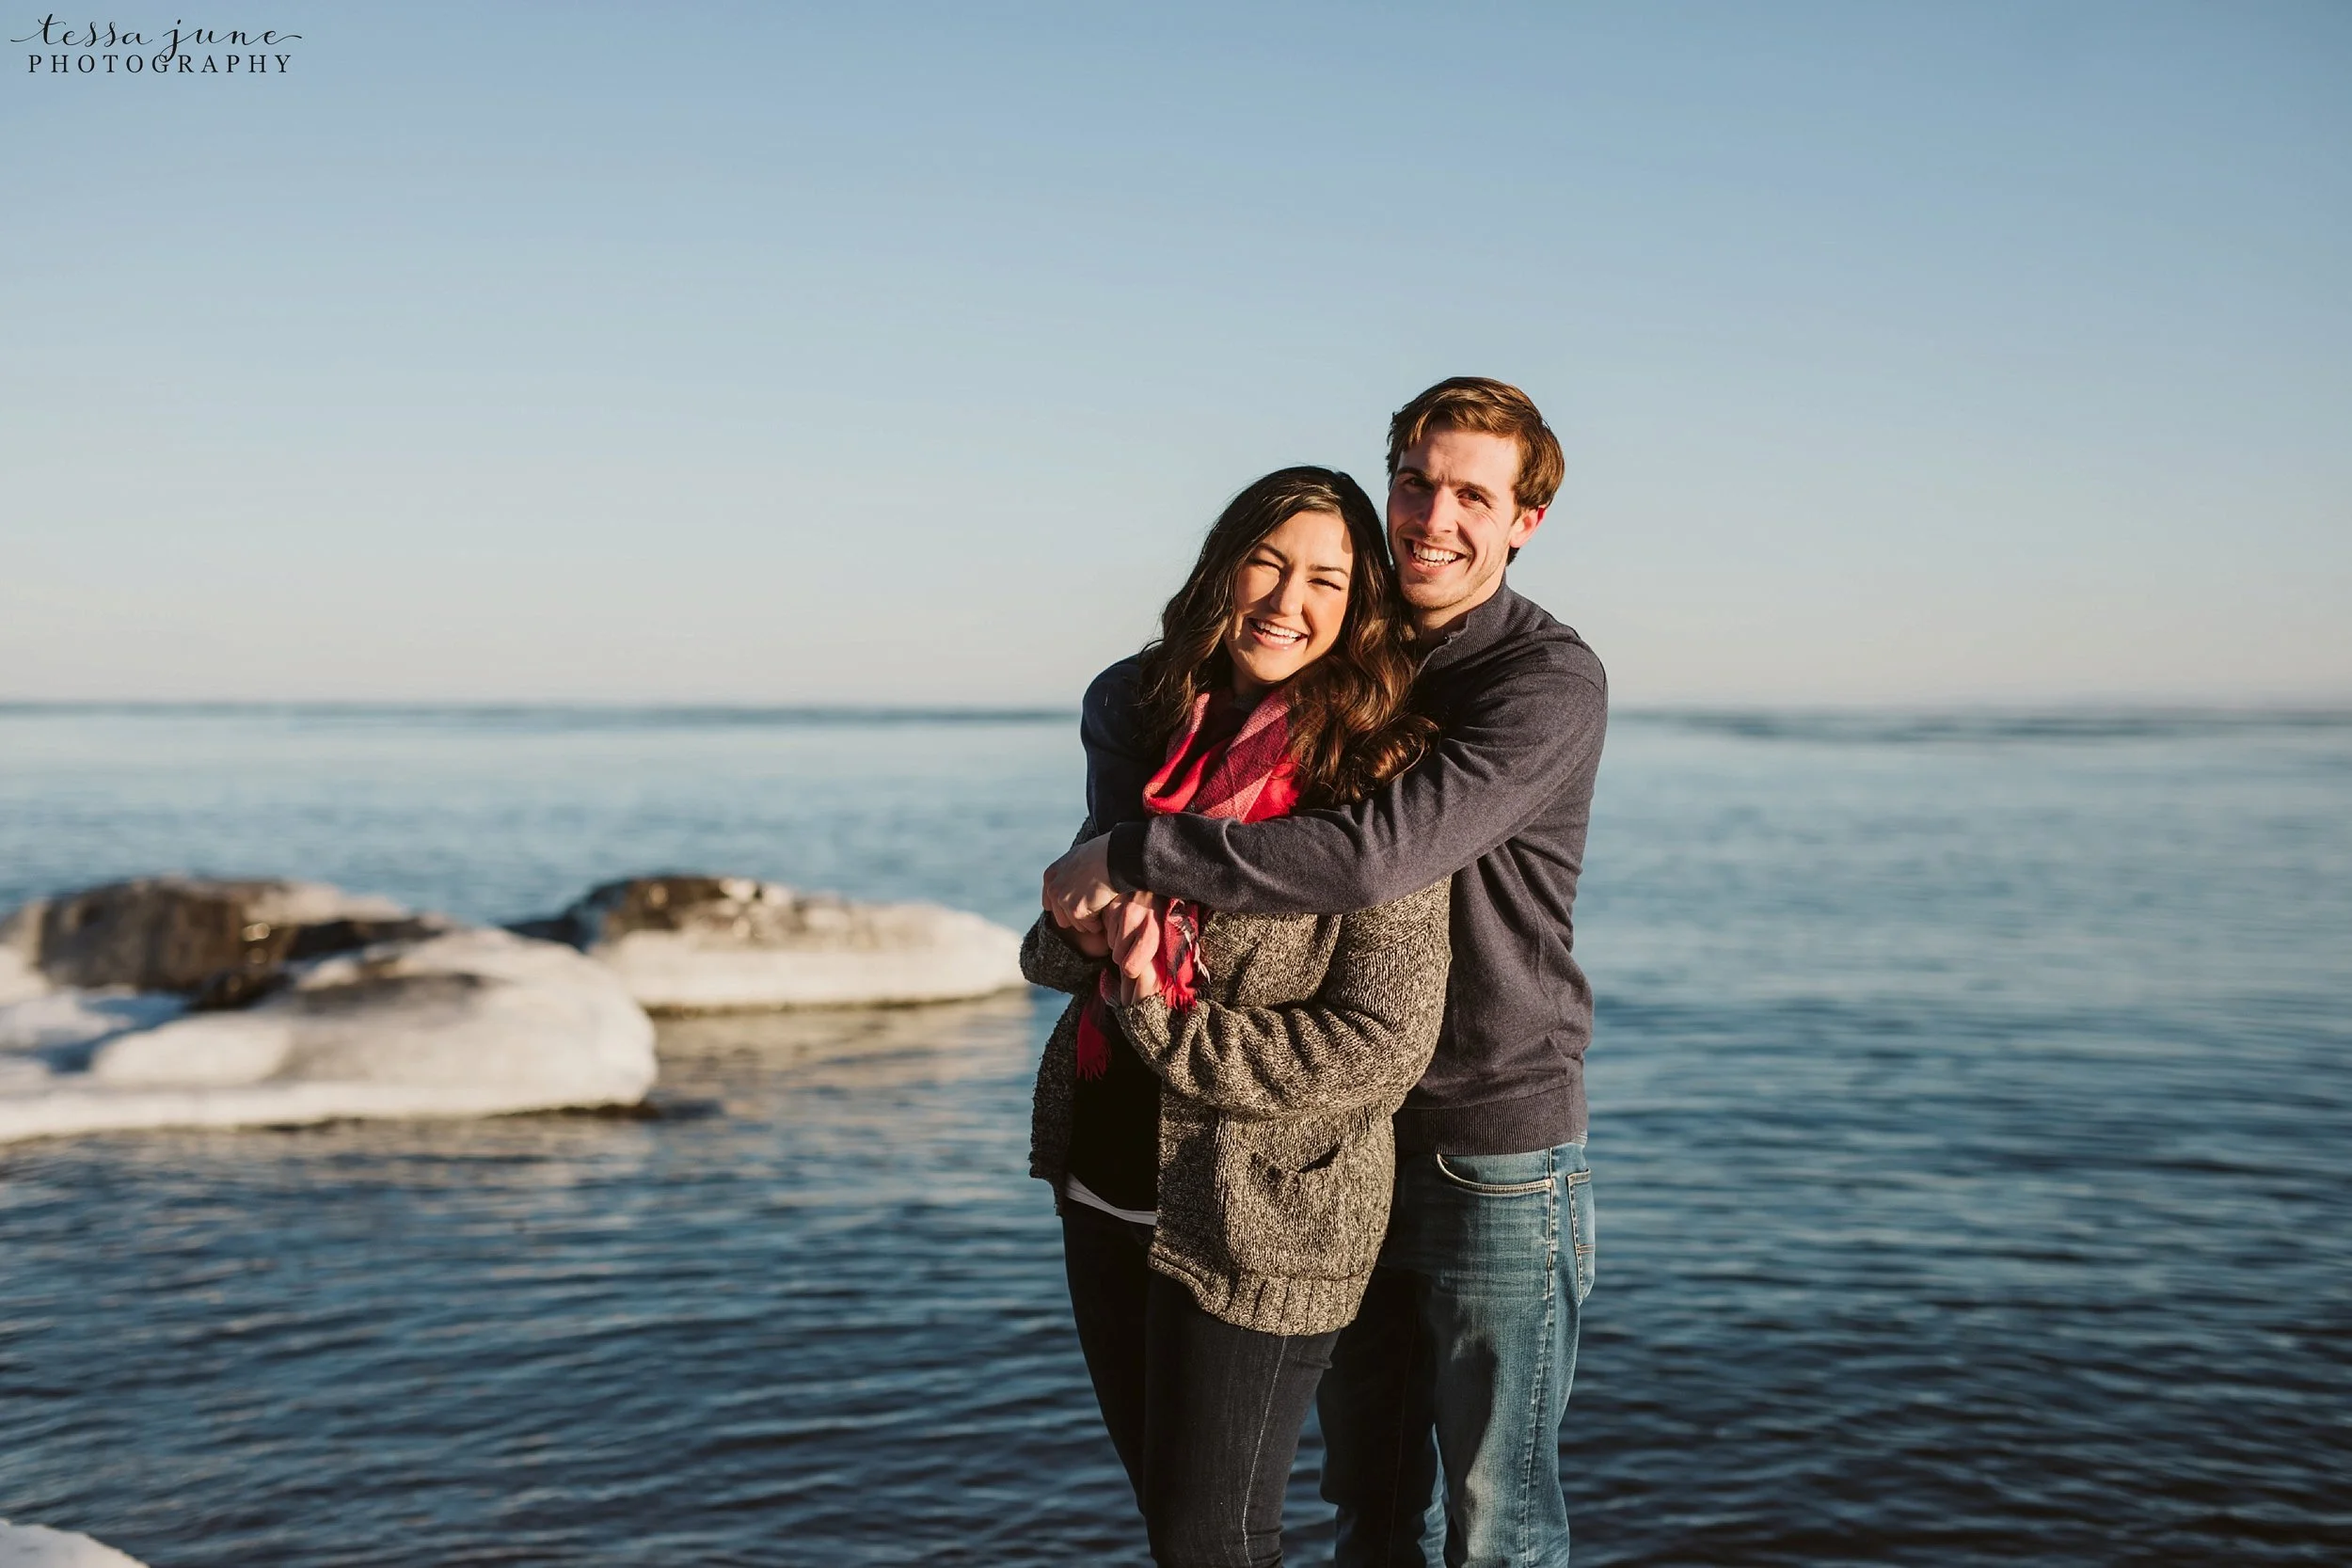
column 1474, row 633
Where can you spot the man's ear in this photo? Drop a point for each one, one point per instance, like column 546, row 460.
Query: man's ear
column 1523, row 528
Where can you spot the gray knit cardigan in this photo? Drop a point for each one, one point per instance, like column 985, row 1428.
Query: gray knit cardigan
column 1276, row 1154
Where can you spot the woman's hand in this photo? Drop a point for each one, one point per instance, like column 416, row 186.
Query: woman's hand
column 1086, row 934
column 1134, row 930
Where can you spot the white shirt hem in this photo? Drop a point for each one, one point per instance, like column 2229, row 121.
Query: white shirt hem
column 1076, row 1191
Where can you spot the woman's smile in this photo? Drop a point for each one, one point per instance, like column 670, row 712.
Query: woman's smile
column 1289, row 598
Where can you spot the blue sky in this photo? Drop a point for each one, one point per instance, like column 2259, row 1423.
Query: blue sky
column 1984, row 353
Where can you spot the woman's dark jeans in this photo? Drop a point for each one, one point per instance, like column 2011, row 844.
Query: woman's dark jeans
column 1205, row 1416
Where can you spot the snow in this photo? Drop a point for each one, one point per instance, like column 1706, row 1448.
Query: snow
column 35, row 1546
column 472, row 1023
column 18, row 981
column 315, row 903
column 73, row 1020
column 57, row 1033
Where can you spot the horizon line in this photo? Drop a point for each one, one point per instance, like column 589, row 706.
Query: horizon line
column 2056, row 707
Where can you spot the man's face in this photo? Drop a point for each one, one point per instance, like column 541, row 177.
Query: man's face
column 1453, row 521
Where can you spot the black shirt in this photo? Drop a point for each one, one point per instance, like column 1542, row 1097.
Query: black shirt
column 1115, row 1128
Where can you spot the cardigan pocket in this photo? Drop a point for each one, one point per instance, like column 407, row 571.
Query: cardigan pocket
column 1301, row 1202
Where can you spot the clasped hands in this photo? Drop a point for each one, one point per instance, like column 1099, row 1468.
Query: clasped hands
column 1103, row 923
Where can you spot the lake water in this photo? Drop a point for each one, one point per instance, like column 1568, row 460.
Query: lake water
column 1971, row 1101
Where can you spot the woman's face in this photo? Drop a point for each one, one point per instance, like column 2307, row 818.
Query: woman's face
column 1290, row 596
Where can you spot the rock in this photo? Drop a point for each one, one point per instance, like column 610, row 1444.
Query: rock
column 35, row 1546
column 195, row 935
column 462, row 1023
column 685, row 944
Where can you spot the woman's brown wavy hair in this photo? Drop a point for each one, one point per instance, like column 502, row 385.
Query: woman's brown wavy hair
column 1352, row 726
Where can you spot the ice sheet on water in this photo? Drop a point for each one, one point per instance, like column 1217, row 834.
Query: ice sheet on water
column 476, row 1022
column 37, row 1546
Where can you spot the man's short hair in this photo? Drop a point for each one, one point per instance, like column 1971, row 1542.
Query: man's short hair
column 1484, row 407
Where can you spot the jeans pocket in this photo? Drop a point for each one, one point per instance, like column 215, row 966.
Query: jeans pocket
column 1580, row 1233
column 1497, row 1175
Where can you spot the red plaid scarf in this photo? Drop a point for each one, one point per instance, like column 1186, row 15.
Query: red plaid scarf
column 1248, row 777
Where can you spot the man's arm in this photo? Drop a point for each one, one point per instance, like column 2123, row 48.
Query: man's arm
column 1530, row 735
column 1118, row 761
column 1117, row 766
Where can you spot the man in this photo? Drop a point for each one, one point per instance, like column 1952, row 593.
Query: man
column 1465, row 1347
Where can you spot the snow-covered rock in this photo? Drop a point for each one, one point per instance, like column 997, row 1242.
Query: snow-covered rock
column 37, row 1546
column 185, row 934
column 683, row 945
column 467, row 1022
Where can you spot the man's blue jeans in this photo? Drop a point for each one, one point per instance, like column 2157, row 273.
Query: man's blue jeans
column 1462, row 1357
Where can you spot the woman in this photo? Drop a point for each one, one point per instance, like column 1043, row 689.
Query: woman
column 1213, row 1108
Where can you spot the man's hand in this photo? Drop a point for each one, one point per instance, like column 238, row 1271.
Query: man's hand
column 1078, row 886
